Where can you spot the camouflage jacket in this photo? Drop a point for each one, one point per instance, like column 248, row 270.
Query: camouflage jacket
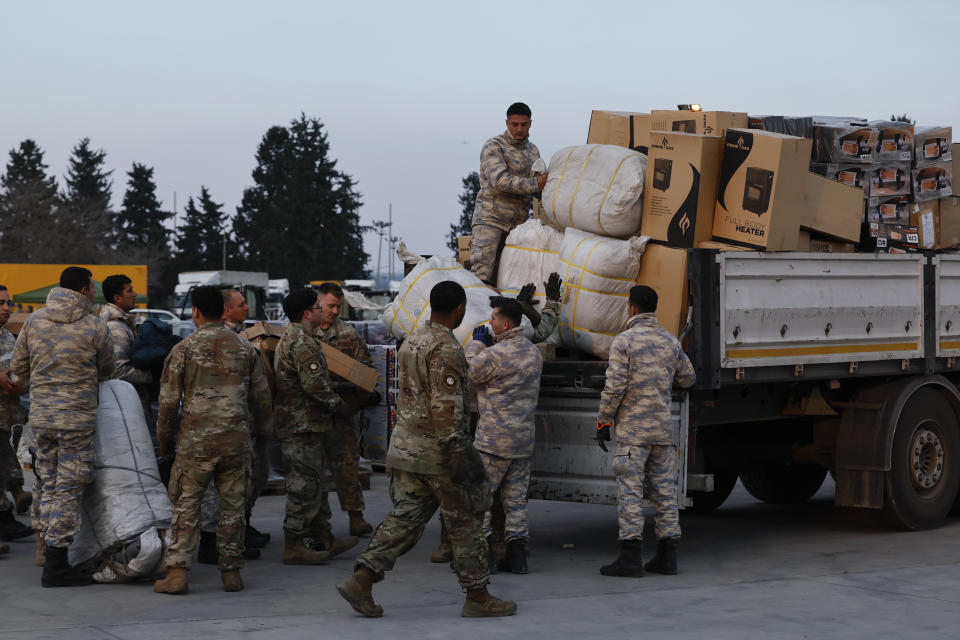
column 431, row 375
column 9, row 403
column 342, row 336
column 507, row 379
column 220, row 379
column 549, row 318
column 306, row 401
column 123, row 330
column 645, row 363
column 62, row 353
column 507, row 183
column 236, row 327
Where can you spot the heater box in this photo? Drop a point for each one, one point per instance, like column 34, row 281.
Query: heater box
column 932, row 145
column 932, row 181
column 706, row 123
column 844, row 142
column 850, row 174
column 890, row 210
column 889, row 179
column 895, row 141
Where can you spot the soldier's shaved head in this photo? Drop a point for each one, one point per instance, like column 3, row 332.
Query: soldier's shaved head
column 446, row 296
column 208, row 301
column 643, row 298
column 519, row 109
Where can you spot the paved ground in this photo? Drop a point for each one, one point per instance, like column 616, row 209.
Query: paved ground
column 748, row 571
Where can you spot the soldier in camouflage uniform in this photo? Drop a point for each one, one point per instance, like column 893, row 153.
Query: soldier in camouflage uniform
column 338, row 334
column 307, row 407
column 121, row 298
column 545, row 322
column 645, row 362
column 220, row 380
column 505, row 370
column 62, row 353
column 11, row 476
column 507, row 184
column 432, row 464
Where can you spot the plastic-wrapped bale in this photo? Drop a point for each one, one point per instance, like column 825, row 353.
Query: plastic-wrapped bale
column 531, row 253
column 597, row 275
column 596, row 188
column 411, row 308
column 127, row 498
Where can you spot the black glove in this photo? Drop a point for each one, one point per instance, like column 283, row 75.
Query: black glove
column 552, row 286
column 345, row 411
column 482, row 334
column 603, row 435
column 526, row 294
column 374, row 398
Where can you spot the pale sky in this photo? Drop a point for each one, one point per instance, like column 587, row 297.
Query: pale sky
column 410, row 91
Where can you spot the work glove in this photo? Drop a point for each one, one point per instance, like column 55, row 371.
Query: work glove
column 482, row 334
column 603, row 434
column 526, row 294
column 374, row 398
column 552, row 286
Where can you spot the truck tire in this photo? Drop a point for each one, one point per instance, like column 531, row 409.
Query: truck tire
column 705, row 502
column 781, row 483
column 924, row 475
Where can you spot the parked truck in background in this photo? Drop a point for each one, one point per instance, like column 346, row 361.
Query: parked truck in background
column 252, row 284
column 277, row 290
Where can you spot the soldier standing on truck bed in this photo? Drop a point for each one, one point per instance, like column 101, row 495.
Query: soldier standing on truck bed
column 645, row 362
column 507, row 183
column 432, row 464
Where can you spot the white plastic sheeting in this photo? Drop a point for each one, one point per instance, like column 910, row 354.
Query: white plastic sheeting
column 531, row 254
column 127, row 497
column 596, row 188
column 597, row 274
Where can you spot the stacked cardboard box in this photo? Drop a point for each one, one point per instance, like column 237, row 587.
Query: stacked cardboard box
column 463, row 251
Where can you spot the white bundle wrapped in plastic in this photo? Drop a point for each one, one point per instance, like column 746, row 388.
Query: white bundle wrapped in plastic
column 596, row 188
column 597, row 275
column 127, row 498
column 531, row 254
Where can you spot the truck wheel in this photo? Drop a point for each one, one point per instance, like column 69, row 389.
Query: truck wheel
column 782, row 483
column 921, row 486
column 705, row 502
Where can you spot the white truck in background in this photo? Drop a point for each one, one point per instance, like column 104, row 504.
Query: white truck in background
column 277, row 290
column 252, row 284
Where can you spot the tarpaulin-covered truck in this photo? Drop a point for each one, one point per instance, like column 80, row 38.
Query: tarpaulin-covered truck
column 807, row 363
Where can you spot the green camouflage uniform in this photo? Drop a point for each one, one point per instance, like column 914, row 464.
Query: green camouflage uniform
column 507, row 184
column 306, row 404
column 507, row 379
column 220, row 380
column 342, row 336
column 432, row 461
column 645, row 362
column 10, row 473
column 62, row 353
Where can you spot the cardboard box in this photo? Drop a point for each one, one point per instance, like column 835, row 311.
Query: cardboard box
column 617, row 128
column 890, row 238
column 890, row 210
column 932, row 181
column 463, row 250
column 800, row 126
column 760, row 194
column 464, row 242
column 680, row 191
column 664, row 269
column 949, row 222
column 721, row 246
column 826, row 245
column 889, row 179
column 342, row 365
column 932, row 145
column 894, row 141
column 705, row 123
column 833, row 209
column 926, row 218
column 854, row 175
column 956, row 169
column 844, row 142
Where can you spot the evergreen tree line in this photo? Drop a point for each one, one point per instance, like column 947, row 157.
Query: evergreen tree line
column 299, row 220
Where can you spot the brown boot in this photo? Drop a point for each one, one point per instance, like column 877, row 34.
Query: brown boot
column 358, row 591
column 336, row 546
column 443, row 553
column 40, row 557
column 359, row 526
column 175, row 582
column 296, row 550
column 22, row 498
column 480, row 604
column 231, row 580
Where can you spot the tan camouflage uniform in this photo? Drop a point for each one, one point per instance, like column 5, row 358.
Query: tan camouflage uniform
column 306, row 404
column 432, row 461
column 507, row 379
column 62, row 353
column 220, row 380
column 549, row 318
column 123, row 330
column 507, row 184
column 645, row 362
column 10, row 473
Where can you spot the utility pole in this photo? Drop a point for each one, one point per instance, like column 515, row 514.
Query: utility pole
column 223, row 243
column 390, row 243
column 381, row 226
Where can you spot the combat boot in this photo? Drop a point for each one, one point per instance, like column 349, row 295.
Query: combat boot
column 443, row 553
column 175, row 583
column 335, row 546
column 12, row 529
column 358, row 591
column 298, row 550
column 23, row 499
column 359, row 526
column 515, row 560
column 480, row 604
column 252, row 537
column 629, row 564
column 207, row 552
column 231, row 580
column 57, row 571
column 665, row 561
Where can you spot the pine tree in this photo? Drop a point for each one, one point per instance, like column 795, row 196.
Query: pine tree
column 468, row 200
column 87, row 203
column 140, row 234
column 201, row 236
column 28, row 207
column 300, row 219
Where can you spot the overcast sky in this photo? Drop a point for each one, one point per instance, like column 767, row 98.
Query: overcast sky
column 410, row 91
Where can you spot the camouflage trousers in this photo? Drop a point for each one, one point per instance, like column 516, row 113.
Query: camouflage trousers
column 210, row 505
column 486, row 245
column 346, row 471
column 415, row 498
column 9, row 468
column 308, row 510
column 659, row 465
column 512, row 477
column 189, row 480
column 64, row 468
